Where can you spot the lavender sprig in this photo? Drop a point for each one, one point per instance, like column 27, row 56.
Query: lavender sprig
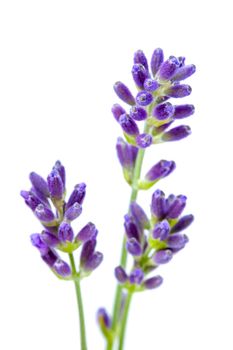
column 47, row 201
column 157, row 242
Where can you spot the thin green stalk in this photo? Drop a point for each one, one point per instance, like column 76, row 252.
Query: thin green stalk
column 124, row 321
column 123, row 260
column 83, row 340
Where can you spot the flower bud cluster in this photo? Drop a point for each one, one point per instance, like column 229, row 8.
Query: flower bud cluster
column 47, row 201
column 153, row 242
column 155, row 87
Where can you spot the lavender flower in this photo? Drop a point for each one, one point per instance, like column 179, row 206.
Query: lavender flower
column 59, row 234
column 150, row 103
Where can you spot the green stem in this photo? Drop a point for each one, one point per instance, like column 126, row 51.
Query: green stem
column 123, row 260
column 83, row 340
column 124, row 321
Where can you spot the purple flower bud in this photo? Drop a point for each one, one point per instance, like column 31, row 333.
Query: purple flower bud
column 140, row 74
column 161, row 230
column 120, row 274
column 73, row 212
column 136, row 276
column 38, row 242
column 178, row 91
column 117, row 111
column 128, row 125
column 138, row 113
column 144, row 98
column 61, row 170
column 62, row 268
column 103, row 318
column 160, row 170
column 183, row 223
column 139, row 57
column 144, row 140
column 163, row 256
column 31, row 200
column 139, row 216
column 131, row 229
column 168, row 69
column 158, row 130
column 88, row 232
column 177, row 133
column 153, row 282
column 133, row 247
column 50, row 239
column 44, row 214
column 156, row 60
column 159, row 204
column 151, row 84
column 183, row 111
column 50, row 257
column 126, row 153
column 124, row 93
column 176, row 207
column 163, row 111
column 88, row 249
column 184, row 72
column 65, row 232
column 176, row 241
column 39, row 184
column 93, row 262
column 77, row 196
column 55, row 184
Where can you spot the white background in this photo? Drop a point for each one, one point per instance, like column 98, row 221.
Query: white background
column 58, row 62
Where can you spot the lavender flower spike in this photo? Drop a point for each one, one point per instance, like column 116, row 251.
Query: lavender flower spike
column 124, row 93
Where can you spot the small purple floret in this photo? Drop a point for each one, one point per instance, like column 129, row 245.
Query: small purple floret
column 178, row 91
column 77, row 196
column 62, row 268
column 138, row 113
column 144, row 140
column 65, row 232
column 177, row 133
column 140, row 74
column 160, row 170
column 73, row 212
column 120, row 274
column 156, row 60
column 183, row 223
column 151, row 84
column 117, row 111
column 133, row 247
column 161, row 230
column 136, row 276
column 139, row 57
column 163, row 256
column 128, row 125
column 124, row 93
column 44, row 214
column 153, row 282
column 144, row 98
column 55, row 184
column 88, row 232
column 163, row 111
